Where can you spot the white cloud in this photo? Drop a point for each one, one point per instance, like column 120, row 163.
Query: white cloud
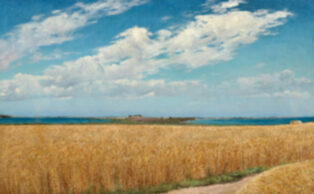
column 109, row 7
column 293, row 94
column 56, row 11
column 55, row 54
column 166, row 18
column 56, row 28
column 132, row 89
column 37, row 17
column 40, row 57
column 224, row 6
column 282, row 84
column 208, row 4
column 21, row 87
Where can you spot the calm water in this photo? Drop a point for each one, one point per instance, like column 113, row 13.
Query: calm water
column 249, row 121
column 202, row 121
column 51, row 120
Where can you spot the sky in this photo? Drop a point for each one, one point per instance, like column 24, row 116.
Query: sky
column 206, row 58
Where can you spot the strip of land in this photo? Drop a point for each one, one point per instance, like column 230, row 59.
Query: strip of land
column 138, row 119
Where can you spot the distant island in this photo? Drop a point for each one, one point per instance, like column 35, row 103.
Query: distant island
column 4, row 116
column 139, row 119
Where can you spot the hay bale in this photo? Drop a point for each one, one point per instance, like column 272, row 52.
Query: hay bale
column 295, row 122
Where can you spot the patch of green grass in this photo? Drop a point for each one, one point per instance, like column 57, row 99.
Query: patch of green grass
column 224, row 178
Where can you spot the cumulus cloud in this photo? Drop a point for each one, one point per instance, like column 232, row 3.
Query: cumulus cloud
column 22, row 86
column 282, row 84
column 56, row 28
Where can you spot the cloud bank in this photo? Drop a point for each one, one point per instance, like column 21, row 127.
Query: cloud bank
column 282, row 84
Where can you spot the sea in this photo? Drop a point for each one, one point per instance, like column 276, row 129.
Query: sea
column 249, row 121
column 52, row 120
column 198, row 121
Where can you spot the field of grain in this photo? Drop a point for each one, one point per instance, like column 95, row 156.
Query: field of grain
column 62, row 158
column 292, row 178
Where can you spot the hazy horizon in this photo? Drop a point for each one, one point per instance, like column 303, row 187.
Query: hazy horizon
column 164, row 116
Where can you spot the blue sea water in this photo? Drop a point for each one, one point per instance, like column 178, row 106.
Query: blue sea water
column 199, row 121
column 52, row 120
column 249, row 121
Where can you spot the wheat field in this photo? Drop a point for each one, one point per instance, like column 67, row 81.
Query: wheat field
column 71, row 158
column 293, row 178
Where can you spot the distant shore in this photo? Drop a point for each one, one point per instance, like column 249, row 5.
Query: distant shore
column 5, row 116
column 137, row 119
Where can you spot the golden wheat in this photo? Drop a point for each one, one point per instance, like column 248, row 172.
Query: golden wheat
column 293, row 178
column 62, row 158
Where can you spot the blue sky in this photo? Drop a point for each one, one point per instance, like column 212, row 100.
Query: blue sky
column 157, row 57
